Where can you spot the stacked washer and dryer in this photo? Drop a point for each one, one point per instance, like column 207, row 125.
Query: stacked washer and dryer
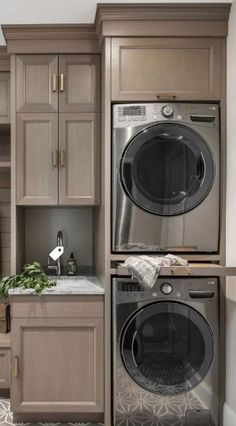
column 165, row 198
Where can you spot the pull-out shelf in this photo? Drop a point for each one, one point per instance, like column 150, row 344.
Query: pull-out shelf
column 193, row 269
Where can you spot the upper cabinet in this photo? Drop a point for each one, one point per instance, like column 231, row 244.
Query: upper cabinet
column 36, row 83
column 4, row 98
column 151, row 69
column 57, row 92
column 79, row 83
column 64, row 83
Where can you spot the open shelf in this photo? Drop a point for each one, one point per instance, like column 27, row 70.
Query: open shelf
column 5, row 165
column 193, row 269
column 5, row 340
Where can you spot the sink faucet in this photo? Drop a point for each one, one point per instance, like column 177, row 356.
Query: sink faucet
column 56, row 255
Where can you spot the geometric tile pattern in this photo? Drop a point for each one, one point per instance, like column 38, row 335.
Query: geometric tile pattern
column 137, row 407
column 6, row 418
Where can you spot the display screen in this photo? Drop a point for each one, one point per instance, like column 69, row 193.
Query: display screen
column 134, row 110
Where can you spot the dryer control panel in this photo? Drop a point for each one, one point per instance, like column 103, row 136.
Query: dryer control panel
column 127, row 115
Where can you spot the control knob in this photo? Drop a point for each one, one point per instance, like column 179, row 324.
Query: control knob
column 167, row 111
column 166, row 288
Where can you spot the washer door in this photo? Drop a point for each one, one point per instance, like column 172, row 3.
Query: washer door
column 167, row 169
column 167, row 348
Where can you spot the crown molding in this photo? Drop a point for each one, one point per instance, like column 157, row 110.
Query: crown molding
column 4, row 59
column 161, row 19
column 51, row 38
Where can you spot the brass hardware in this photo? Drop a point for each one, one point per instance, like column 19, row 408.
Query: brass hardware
column 16, row 366
column 55, row 158
column 62, row 157
column 166, row 96
column 62, row 81
column 54, row 82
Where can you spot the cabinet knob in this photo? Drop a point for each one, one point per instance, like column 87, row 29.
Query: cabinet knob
column 16, row 366
column 62, row 82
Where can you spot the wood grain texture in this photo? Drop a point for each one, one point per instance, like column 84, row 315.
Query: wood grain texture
column 82, row 83
column 79, row 139
column 54, row 388
column 147, row 68
column 34, row 91
column 4, row 97
column 4, row 367
column 37, row 140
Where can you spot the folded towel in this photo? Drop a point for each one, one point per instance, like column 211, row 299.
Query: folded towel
column 146, row 268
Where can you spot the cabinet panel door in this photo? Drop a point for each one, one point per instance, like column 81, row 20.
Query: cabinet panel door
column 166, row 68
column 4, row 368
column 80, row 88
column 4, row 97
column 79, row 173
column 36, row 159
column 37, row 83
column 57, row 365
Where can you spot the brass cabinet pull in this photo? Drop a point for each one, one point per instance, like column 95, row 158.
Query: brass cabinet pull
column 166, row 96
column 55, row 158
column 54, row 82
column 62, row 81
column 16, row 366
column 62, row 157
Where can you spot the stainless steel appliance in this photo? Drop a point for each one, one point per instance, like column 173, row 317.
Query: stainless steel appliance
column 165, row 352
column 165, row 178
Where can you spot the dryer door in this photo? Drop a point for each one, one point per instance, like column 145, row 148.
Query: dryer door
column 167, row 348
column 167, row 169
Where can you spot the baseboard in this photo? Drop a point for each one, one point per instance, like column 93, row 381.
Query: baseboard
column 229, row 416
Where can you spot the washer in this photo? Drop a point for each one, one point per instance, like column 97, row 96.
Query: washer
column 165, row 178
column 165, row 352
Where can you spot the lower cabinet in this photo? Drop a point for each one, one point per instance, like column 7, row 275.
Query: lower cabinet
column 57, row 355
column 5, row 368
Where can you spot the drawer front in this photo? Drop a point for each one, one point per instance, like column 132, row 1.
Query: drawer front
column 166, row 68
column 55, row 307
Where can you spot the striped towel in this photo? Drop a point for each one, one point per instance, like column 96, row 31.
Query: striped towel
column 146, row 268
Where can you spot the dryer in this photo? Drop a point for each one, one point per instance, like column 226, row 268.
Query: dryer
column 165, row 178
column 165, row 352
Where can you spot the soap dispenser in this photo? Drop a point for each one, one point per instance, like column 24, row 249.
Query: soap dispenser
column 71, row 265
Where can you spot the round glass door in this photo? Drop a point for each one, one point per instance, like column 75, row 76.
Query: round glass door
column 167, row 169
column 167, row 348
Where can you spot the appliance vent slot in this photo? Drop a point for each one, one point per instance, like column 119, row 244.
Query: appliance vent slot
column 129, row 287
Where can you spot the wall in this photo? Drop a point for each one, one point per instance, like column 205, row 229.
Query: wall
column 230, row 405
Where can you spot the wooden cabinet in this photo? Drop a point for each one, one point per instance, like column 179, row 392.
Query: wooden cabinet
column 79, row 85
column 79, row 158
column 57, row 92
column 36, row 152
column 4, row 98
column 48, row 83
column 5, row 356
column 151, row 69
column 57, row 355
column 37, row 83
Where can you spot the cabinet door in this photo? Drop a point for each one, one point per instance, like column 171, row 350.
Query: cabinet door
column 79, row 83
column 166, row 68
column 37, row 83
column 36, row 159
column 79, row 172
column 57, row 365
column 4, row 97
column 4, row 368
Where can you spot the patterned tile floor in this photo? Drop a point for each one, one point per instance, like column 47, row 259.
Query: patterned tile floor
column 6, row 418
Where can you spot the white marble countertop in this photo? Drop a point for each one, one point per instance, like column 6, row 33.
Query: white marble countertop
column 67, row 285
